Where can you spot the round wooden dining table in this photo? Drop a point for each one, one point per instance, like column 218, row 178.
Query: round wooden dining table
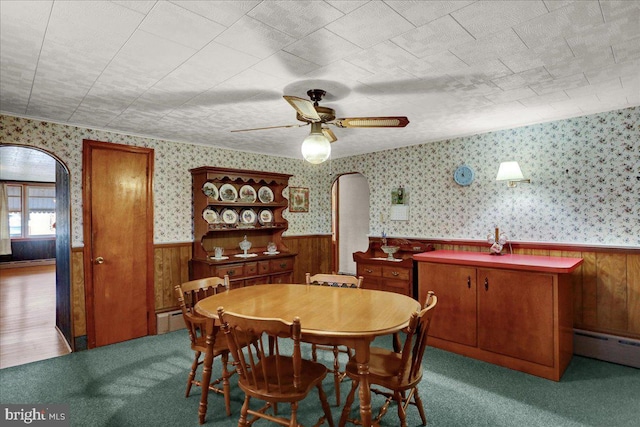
column 328, row 315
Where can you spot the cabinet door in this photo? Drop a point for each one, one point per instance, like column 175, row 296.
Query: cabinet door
column 371, row 282
column 398, row 286
column 515, row 314
column 261, row 280
column 454, row 318
column 282, row 278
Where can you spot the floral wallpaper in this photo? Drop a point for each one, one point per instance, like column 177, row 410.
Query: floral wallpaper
column 585, row 181
column 172, row 179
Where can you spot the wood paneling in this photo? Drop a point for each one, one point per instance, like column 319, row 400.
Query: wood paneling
column 589, row 297
column 633, row 291
column 598, row 284
column 314, row 255
column 171, row 269
column 612, row 291
column 78, row 309
column 31, row 249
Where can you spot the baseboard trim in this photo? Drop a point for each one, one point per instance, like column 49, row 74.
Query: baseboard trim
column 606, row 347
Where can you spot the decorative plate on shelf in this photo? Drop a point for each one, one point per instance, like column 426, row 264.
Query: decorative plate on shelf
column 248, row 217
column 228, row 193
column 229, row 216
column 247, row 194
column 265, row 217
column 265, row 195
column 210, row 190
column 210, row 215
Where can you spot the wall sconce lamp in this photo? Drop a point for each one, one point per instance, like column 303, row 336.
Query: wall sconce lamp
column 510, row 172
column 316, row 148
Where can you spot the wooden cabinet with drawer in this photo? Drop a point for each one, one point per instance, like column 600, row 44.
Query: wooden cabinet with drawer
column 265, row 269
column 395, row 275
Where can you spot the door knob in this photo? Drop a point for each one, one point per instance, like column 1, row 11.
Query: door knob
column 99, row 260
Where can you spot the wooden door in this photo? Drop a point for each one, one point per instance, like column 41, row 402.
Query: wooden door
column 515, row 314
column 455, row 287
column 118, row 242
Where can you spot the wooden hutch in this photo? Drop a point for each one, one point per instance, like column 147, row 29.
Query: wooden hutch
column 396, row 275
column 229, row 204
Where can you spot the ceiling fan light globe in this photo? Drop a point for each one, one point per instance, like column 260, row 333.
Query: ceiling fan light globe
column 316, row 148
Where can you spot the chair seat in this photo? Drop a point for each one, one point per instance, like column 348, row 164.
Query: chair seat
column 188, row 294
column 399, row 372
column 342, row 281
column 384, row 366
column 311, row 373
column 219, row 347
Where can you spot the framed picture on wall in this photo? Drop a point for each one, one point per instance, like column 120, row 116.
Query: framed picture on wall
column 298, row 199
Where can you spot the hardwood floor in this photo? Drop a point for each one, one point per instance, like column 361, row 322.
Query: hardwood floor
column 28, row 316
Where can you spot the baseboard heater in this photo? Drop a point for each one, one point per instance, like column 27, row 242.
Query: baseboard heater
column 169, row 321
column 610, row 348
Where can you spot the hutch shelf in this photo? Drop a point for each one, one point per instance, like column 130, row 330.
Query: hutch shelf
column 396, row 275
column 229, row 204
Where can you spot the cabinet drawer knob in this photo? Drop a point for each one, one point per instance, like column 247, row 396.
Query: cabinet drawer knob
column 486, row 284
column 231, row 272
column 283, row 265
column 395, row 273
column 469, row 282
column 368, row 270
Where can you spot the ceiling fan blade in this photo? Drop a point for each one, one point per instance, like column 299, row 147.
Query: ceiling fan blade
column 328, row 133
column 304, row 107
column 372, row 122
column 271, row 127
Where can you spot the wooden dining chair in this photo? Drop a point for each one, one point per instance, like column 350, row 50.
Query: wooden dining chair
column 343, row 281
column 273, row 370
column 396, row 372
column 189, row 293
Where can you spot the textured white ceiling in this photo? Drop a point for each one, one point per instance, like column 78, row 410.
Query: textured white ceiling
column 26, row 164
column 194, row 70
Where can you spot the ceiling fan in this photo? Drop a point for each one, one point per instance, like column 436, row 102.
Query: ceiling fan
column 316, row 147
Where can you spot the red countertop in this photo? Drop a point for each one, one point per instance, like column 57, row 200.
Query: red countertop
column 545, row 264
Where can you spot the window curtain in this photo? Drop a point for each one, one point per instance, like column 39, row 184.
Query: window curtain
column 5, row 238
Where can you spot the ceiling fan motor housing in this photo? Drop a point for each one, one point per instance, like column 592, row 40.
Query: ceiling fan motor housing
column 316, row 95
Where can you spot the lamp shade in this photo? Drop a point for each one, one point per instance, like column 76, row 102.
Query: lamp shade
column 509, row 171
column 316, row 148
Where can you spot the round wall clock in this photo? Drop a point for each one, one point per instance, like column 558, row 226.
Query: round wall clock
column 463, row 175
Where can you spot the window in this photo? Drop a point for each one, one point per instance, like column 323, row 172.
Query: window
column 32, row 210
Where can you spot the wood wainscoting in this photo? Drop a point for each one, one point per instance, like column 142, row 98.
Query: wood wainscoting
column 606, row 287
column 171, row 263
column 314, row 255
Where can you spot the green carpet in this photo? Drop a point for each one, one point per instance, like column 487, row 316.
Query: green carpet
column 142, row 383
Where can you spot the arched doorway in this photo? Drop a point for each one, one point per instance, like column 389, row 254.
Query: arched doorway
column 63, row 303
column 350, row 219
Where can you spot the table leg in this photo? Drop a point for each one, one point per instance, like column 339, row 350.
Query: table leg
column 362, row 352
